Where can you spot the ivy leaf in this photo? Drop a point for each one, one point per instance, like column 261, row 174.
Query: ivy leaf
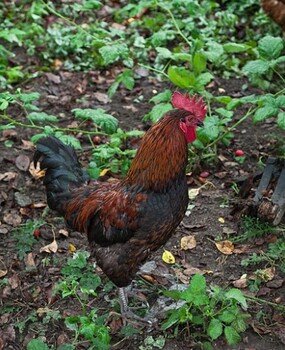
column 281, row 120
column 264, row 112
column 215, row 329
column 107, row 122
column 256, row 67
column 270, row 47
column 231, row 335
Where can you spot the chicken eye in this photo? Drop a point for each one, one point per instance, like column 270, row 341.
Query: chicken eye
column 183, row 120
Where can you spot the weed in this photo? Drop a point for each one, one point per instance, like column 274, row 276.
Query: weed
column 214, row 312
column 24, row 236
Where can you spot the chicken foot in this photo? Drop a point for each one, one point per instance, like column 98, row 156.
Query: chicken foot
column 126, row 311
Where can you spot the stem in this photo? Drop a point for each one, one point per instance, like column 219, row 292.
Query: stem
column 154, row 70
column 261, row 301
column 175, row 24
column 50, row 9
column 34, row 126
column 249, row 112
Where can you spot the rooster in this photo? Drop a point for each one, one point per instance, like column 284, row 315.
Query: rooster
column 126, row 220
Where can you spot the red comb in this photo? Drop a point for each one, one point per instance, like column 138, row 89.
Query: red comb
column 198, row 108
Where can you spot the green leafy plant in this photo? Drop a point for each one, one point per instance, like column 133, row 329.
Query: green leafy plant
column 24, row 236
column 269, row 54
column 210, row 312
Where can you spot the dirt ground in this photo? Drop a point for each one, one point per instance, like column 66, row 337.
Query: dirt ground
column 28, row 289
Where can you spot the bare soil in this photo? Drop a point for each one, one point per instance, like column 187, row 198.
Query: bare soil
column 30, row 281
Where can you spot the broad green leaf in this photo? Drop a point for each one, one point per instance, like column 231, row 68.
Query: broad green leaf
column 264, row 112
column 198, row 284
column 211, row 127
column 199, row 62
column 107, row 122
column 235, row 47
column 224, row 112
column 69, row 139
column 66, row 347
column 256, row 67
column 134, row 133
column 280, row 59
column 281, row 120
column 182, row 56
column 203, row 79
column 214, row 52
column 164, row 52
column 239, row 324
column 158, row 111
column 27, row 98
column 236, row 294
column 127, row 79
column 164, row 96
column 113, row 88
column 231, row 335
column 172, row 320
column 37, row 344
column 112, row 53
column 280, row 101
column 181, row 77
column 42, row 117
column 227, row 316
column 215, row 329
column 270, row 47
column 6, row 127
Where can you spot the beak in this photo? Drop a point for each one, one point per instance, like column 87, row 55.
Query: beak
column 200, row 124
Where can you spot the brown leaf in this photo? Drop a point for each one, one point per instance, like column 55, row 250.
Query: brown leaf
column 225, row 247
column 241, row 282
column 22, row 162
column 3, row 269
column 193, row 270
column 63, row 232
column 101, row 97
column 27, row 145
column 188, row 242
column 8, row 176
column 12, row 218
column 30, row 262
column 50, row 248
column 266, row 274
column 14, row 281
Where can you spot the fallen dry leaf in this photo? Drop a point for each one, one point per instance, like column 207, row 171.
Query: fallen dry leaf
column 180, row 275
column 22, row 162
column 3, row 270
column 8, row 176
column 71, row 248
column 28, row 145
column 63, row 232
column 30, row 262
column 193, row 193
column 50, row 248
column 241, row 282
column 221, row 220
column 188, row 242
column 14, row 281
column 168, row 257
column 193, row 270
column 12, row 218
column 225, row 247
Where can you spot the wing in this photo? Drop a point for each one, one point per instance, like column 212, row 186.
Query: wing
column 108, row 213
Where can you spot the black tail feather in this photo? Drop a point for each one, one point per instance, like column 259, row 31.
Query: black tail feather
column 63, row 170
